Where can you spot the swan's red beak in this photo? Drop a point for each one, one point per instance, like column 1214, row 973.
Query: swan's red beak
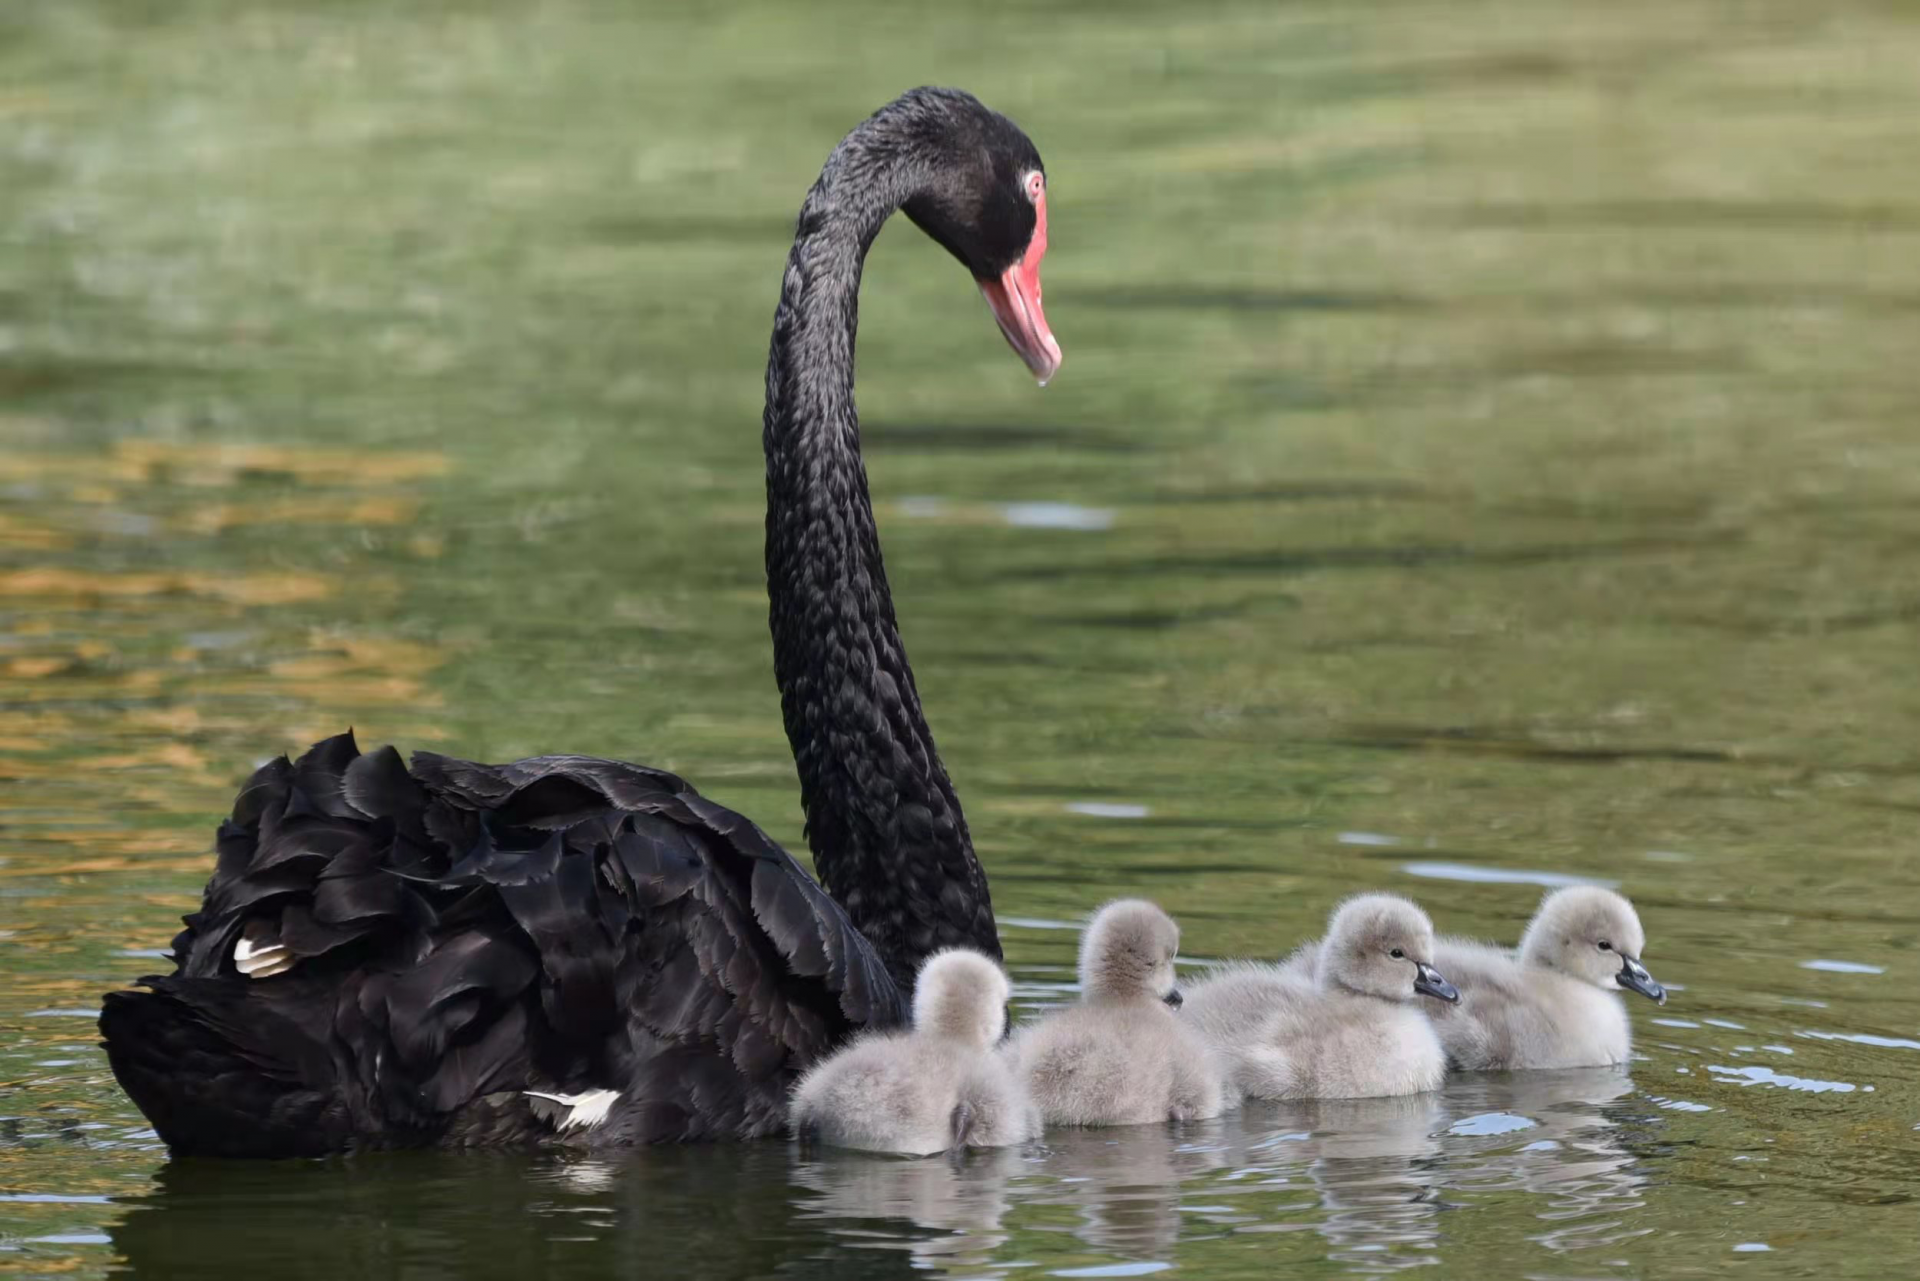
column 1015, row 299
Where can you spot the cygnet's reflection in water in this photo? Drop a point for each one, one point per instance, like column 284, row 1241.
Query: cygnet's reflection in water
column 1367, row 1178
column 1370, row 1166
column 1574, row 1153
column 956, row 1202
column 1117, row 1190
column 1122, row 1186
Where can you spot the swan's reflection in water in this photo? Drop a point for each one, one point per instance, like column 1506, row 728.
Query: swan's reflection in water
column 713, row 1211
column 1359, row 1184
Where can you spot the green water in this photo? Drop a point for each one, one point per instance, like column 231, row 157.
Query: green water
column 1486, row 450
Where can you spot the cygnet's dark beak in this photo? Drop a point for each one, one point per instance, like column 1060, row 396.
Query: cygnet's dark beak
column 1430, row 982
column 1634, row 975
column 1174, row 998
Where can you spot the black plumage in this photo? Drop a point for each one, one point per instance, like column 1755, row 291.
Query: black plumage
column 462, row 933
column 400, row 956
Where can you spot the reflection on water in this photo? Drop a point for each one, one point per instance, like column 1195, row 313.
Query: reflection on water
column 720, row 1212
column 132, row 688
column 1369, row 1179
column 947, row 1212
column 1370, row 1163
column 1119, row 1191
column 1572, row 1156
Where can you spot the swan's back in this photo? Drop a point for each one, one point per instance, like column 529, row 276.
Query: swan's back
column 1284, row 1036
column 1119, row 1056
column 936, row 1087
column 886, row 1092
column 562, row 948
column 1343, row 1046
column 1512, row 1015
column 1237, row 999
column 914, row 1094
column 1485, row 969
column 1117, row 1063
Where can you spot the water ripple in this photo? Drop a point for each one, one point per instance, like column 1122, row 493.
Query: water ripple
column 1499, row 875
column 1753, row 1075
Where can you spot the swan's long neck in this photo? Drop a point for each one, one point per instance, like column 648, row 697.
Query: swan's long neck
column 888, row 837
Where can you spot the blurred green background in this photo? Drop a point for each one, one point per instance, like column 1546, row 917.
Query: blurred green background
column 1485, row 452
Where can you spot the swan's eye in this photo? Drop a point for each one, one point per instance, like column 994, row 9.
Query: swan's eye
column 1036, row 184
column 1605, row 946
column 1397, row 954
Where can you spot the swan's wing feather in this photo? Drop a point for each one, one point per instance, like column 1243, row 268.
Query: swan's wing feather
column 378, row 784
column 421, row 940
column 812, row 931
column 319, row 777
column 467, row 783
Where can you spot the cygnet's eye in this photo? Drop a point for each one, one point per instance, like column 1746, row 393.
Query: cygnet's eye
column 1397, row 954
column 1605, row 946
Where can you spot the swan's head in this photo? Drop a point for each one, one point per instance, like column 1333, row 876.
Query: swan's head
column 1127, row 951
column 982, row 193
column 1591, row 934
column 1382, row 945
column 963, row 995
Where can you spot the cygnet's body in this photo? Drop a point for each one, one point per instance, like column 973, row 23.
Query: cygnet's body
column 1554, row 1002
column 1344, row 1020
column 936, row 1087
column 1121, row 1056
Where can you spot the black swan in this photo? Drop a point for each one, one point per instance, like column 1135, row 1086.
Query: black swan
column 581, row 951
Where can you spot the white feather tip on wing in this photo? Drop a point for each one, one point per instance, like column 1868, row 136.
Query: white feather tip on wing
column 574, row 1111
column 261, row 961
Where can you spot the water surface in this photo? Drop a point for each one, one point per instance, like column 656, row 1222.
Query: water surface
column 1484, row 459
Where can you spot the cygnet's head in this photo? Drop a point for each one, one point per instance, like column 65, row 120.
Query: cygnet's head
column 1382, row 945
column 1128, row 950
column 963, row 995
column 1590, row 934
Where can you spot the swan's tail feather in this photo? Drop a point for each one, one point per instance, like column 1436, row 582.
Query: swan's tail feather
column 208, row 1092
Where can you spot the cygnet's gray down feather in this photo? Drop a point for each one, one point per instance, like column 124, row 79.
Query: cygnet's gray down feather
column 1554, row 1002
column 1339, row 1020
column 936, row 1087
column 1121, row 1056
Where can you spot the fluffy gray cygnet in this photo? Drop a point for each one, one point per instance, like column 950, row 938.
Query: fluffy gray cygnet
column 1121, row 1056
column 1554, row 1002
column 936, row 1087
column 1341, row 1019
